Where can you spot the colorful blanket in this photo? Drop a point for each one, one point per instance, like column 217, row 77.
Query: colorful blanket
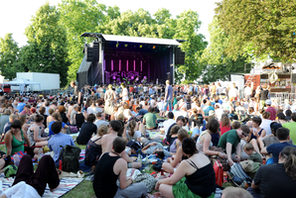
column 66, row 184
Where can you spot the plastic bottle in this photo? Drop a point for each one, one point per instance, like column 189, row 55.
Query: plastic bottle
column 139, row 159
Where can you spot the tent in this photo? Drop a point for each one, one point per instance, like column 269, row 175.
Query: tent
column 22, row 84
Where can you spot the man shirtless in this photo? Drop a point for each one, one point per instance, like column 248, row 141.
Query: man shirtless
column 108, row 139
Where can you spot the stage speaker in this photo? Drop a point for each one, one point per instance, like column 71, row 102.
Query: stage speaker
column 92, row 53
column 179, row 57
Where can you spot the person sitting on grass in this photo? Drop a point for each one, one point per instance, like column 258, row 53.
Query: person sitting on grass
column 106, row 143
column 194, row 177
column 253, row 155
column 30, row 184
column 279, row 179
column 111, row 167
column 230, row 142
column 275, row 149
column 172, row 163
column 204, row 142
column 58, row 141
column 35, row 132
column 150, row 119
column 88, row 128
column 93, row 148
column 15, row 138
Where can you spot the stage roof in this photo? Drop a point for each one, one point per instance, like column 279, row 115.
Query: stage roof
column 144, row 40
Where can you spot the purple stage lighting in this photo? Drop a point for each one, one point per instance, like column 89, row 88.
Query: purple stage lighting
column 141, row 66
column 134, row 65
column 126, row 65
column 119, row 64
column 112, row 65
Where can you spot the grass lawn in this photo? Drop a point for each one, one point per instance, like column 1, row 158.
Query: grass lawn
column 82, row 190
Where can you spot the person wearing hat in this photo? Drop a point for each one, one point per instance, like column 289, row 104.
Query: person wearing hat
column 270, row 109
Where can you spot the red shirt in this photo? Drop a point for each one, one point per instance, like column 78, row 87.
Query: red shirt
column 224, row 129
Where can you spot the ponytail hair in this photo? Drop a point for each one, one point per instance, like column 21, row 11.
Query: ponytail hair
column 289, row 154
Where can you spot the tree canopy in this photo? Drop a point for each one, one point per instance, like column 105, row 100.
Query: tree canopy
column 8, row 56
column 219, row 66
column 264, row 26
column 47, row 45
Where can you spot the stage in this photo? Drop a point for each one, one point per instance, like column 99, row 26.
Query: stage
column 131, row 60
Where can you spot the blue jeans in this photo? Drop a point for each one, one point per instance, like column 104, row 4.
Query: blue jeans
column 168, row 102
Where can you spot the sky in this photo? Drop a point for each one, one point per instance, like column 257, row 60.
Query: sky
column 15, row 15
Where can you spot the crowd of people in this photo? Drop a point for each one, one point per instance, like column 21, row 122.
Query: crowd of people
column 196, row 127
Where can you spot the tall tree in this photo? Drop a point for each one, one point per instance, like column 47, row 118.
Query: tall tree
column 47, row 45
column 266, row 25
column 8, row 57
column 187, row 25
column 218, row 65
column 79, row 16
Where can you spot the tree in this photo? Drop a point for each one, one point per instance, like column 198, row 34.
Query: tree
column 266, row 25
column 139, row 23
column 77, row 17
column 47, row 46
column 8, row 57
column 218, row 65
column 187, row 25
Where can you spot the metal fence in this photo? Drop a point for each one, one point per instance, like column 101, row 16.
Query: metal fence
column 282, row 97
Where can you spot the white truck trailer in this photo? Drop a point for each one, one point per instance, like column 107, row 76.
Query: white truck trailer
column 36, row 81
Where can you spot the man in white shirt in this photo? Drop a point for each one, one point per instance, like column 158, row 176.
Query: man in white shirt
column 169, row 122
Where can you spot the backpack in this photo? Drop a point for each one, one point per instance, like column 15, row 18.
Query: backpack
column 250, row 167
column 72, row 129
column 218, row 169
column 70, row 158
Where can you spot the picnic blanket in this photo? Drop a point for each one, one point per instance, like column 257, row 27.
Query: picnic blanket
column 66, row 184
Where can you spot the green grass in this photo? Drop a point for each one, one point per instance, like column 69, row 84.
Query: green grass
column 82, row 190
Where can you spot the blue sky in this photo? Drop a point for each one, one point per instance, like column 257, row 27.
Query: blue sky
column 15, row 15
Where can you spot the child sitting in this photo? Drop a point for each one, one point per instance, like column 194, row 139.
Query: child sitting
column 253, row 155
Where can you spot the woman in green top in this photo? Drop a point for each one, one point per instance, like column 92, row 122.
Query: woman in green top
column 15, row 138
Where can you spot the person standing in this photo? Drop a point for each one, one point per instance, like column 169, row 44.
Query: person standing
column 168, row 96
column 110, row 97
column 270, row 109
column 124, row 93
